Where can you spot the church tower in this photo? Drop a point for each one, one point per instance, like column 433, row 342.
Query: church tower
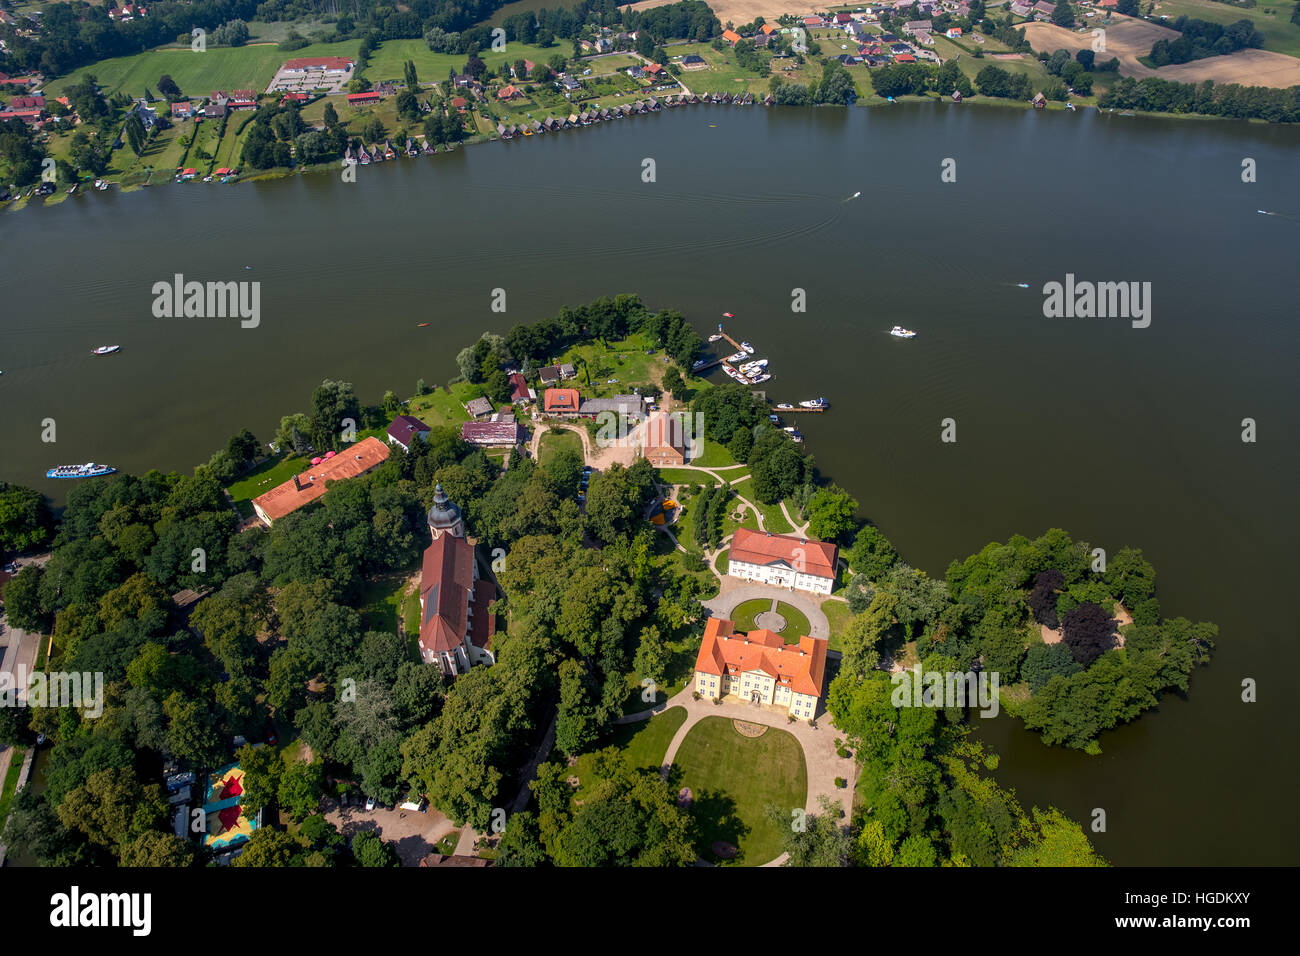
column 444, row 516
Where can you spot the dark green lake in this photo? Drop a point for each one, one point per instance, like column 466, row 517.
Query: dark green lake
column 1122, row 436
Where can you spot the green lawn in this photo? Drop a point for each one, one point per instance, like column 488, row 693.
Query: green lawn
column 440, row 407
column 838, row 616
column 555, row 440
column 743, row 614
column 381, row 602
column 733, row 779
column 625, row 361
column 644, row 743
column 796, row 622
column 198, row 74
column 16, row 766
column 263, row 478
column 684, row 476
column 715, row 455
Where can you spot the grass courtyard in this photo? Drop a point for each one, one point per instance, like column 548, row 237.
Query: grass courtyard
column 733, row 779
column 796, row 622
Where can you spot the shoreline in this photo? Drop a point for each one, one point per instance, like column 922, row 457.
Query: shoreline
column 873, row 102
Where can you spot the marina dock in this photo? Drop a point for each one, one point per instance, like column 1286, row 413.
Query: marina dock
column 737, row 347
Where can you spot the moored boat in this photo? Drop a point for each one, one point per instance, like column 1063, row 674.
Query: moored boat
column 815, row 403
column 749, row 349
column 88, row 470
column 785, row 405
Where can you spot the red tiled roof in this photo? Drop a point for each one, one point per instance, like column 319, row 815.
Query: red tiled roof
column 446, row 576
column 810, row 557
column 307, row 487
column 731, row 36
column 518, row 387
column 323, row 62
column 800, row 667
column 663, row 431
column 904, row 58
column 560, row 400
column 363, row 97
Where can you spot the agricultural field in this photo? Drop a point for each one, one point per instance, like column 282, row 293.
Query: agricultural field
column 198, row 74
column 1271, row 18
column 389, row 61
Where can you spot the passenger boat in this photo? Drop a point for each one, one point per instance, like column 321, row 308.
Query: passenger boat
column 902, row 333
column 749, row 349
column 88, row 470
column 815, row 403
column 106, row 349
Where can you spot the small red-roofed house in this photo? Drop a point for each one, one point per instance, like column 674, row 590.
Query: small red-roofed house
column 731, row 36
column 362, row 99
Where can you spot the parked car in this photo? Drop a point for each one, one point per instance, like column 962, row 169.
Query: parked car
column 370, row 804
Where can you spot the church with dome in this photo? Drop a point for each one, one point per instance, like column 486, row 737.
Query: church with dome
column 456, row 626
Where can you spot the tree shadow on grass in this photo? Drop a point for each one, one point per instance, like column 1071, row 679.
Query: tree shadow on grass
column 717, row 822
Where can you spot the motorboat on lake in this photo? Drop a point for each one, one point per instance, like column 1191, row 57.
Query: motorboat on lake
column 814, row 403
column 899, row 332
column 88, row 470
column 106, row 349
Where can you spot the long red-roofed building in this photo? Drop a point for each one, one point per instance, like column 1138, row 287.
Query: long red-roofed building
column 456, row 624
column 760, row 668
column 302, row 489
column 782, row 560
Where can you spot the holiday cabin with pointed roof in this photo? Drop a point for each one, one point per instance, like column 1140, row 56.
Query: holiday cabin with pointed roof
column 782, row 560
column 760, row 668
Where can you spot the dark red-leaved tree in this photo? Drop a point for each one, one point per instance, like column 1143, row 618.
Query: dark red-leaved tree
column 1042, row 599
column 1089, row 632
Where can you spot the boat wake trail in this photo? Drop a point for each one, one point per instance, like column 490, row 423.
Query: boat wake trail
column 1279, row 215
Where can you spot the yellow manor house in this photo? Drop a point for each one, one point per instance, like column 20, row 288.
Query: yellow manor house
column 760, row 668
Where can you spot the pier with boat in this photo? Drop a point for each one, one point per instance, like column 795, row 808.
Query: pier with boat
column 741, row 367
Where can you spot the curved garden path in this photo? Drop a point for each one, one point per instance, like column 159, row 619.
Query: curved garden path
column 735, row 591
column 821, row 761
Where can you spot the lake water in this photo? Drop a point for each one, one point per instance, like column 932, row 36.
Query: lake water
column 1122, row 436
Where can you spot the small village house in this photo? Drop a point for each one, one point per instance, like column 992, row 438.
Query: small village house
column 405, row 429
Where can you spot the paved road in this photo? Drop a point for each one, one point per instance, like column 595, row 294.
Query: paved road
column 20, row 649
column 734, row 592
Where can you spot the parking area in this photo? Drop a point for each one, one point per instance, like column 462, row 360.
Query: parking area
column 413, row 834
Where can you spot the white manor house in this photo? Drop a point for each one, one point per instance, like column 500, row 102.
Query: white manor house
column 782, row 560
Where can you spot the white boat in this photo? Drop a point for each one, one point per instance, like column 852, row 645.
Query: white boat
column 715, row 336
column 760, row 379
column 749, row 349
column 815, row 403
column 734, row 358
column 760, row 363
column 785, row 405
column 729, row 370
column 902, row 333
column 106, row 349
